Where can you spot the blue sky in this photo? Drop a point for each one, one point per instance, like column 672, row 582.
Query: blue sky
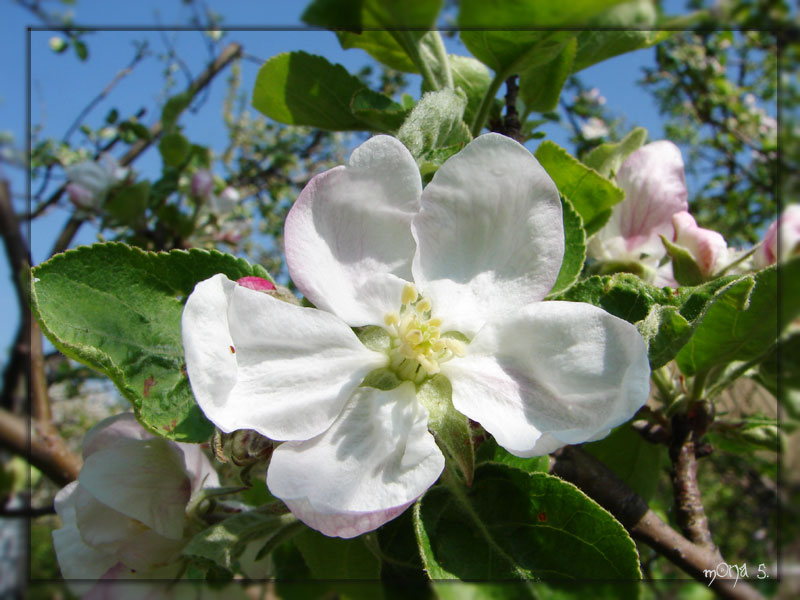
column 61, row 85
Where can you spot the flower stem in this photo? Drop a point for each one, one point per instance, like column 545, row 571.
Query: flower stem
column 486, row 104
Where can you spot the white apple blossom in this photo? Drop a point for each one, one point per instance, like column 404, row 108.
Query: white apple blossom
column 451, row 278
column 90, row 181
column 124, row 517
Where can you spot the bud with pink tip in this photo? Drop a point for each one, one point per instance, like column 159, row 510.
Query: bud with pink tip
column 786, row 230
column 706, row 247
column 202, row 183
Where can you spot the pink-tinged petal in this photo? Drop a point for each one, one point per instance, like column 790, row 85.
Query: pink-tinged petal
column 489, row 234
column 255, row 362
column 121, row 582
column 255, row 283
column 76, row 559
column 373, row 462
column 706, row 247
column 350, row 229
column 655, row 189
column 144, row 480
column 114, row 430
column 202, row 183
column 80, row 196
column 199, row 468
column 782, row 238
column 555, row 373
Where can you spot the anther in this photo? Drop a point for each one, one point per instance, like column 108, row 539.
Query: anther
column 409, row 294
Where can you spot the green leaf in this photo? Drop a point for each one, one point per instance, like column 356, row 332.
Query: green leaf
column 335, row 559
column 623, row 28
column 787, row 369
column 591, row 194
column 666, row 331
column 684, row 267
column 450, row 427
column 174, row 149
column 380, row 45
column 334, row 14
column 742, row 320
column 516, row 525
column 223, row 543
column 436, row 122
column 623, row 295
column 607, row 158
column 634, row 460
column 128, row 203
column 80, row 49
column 297, row 88
column 540, row 87
column 491, row 451
column 756, row 432
column 378, row 110
column 173, row 109
column 574, row 248
column 118, row 309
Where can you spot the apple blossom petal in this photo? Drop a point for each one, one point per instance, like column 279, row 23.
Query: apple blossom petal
column 374, row 461
column 76, row 559
column 200, row 470
column 786, row 229
column 256, row 362
column 350, row 229
column 707, row 247
column 144, row 480
column 113, row 430
column 489, row 233
column 554, row 372
column 655, row 189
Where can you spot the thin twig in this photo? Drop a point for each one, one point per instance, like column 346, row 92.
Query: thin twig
column 601, row 484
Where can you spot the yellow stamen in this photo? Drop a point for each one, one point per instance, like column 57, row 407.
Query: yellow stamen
column 409, row 294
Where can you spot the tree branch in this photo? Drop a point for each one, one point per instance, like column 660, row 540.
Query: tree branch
column 228, row 54
column 41, row 445
column 601, row 484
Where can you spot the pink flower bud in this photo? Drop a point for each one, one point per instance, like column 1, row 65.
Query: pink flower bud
column 785, row 229
column 705, row 246
column 202, row 183
column 79, row 195
column 255, row 283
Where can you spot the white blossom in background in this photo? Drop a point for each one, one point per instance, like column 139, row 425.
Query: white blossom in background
column 449, row 283
column 124, row 517
column 781, row 240
column 226, row 201
column 90, row 181
column 594, row 127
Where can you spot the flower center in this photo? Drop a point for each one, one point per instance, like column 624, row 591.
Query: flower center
column 417, row 345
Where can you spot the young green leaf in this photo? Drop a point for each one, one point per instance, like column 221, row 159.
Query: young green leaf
column 591, row 194
column 574, row 248
column 436, row 122
column 607, row 158
column 118, row 309
column 540, row 86
column 298, row 88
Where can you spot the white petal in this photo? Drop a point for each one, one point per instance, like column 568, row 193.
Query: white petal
column 655, row 189
column 76, row 559
column 489, row 233
column 113, row 430
column 255, row 362
column 350, row 228
column 145, row 480
column 365, row 470
column 200, row 470
column 556, row 373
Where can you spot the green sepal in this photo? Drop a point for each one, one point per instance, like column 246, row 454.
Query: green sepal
column 607, row 158
column 685, row 269
column 450, row 428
